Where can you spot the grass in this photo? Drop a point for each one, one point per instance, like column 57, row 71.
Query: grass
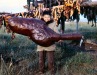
column 69, row 59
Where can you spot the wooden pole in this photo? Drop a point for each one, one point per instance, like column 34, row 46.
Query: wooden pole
column 46, row 3
column 28, row 3
column 50, row 3
column 33, row 3
column 77, row 26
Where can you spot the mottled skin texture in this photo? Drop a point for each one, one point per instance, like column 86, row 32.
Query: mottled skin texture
column 38, row 31
column 35, row 29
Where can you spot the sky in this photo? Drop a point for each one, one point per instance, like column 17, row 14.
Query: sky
column 94, row 0
column 12, row 5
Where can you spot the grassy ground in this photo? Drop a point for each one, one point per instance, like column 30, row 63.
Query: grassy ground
column 69, row 59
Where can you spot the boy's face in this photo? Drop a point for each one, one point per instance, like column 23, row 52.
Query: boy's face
column 46, row 18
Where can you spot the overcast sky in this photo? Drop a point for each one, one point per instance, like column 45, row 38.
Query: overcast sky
column 94, row 0
column 12, row 5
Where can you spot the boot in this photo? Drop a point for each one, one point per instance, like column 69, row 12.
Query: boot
column 50, row 56
column 41, row 61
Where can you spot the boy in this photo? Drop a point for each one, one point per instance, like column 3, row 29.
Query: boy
column 47, row 51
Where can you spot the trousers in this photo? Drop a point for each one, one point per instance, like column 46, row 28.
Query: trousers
column 50, row 58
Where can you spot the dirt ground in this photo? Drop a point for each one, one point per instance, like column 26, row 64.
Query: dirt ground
column 89, row 45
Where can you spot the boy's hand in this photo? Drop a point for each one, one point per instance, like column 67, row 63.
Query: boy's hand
column 60, row 41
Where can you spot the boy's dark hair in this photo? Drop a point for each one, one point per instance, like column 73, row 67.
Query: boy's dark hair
column 46, row 12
